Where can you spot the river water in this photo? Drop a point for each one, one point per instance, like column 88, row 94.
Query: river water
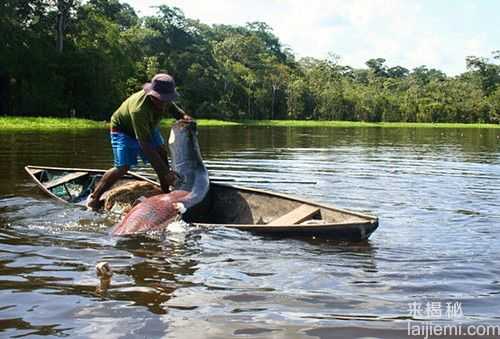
column 435, row 256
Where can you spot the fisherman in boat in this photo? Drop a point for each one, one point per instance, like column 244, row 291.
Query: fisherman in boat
column 135, row 130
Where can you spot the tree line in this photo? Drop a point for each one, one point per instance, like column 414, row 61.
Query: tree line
column 75, row 58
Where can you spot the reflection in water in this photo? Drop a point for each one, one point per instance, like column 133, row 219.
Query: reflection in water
column 436, row 192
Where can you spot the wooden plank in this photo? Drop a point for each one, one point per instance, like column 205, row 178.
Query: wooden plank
column 296, row 216
column 36, row 171
column 64, row 179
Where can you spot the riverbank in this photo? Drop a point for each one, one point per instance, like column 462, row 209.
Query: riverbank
column 45, row 123
column 48, row 124
column 315, row 123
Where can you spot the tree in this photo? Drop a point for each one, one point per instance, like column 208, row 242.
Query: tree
column 104, row 52
column 122, row 14
column 488, row 73
column 397, row 72
column 377, row 67
column 64, row 8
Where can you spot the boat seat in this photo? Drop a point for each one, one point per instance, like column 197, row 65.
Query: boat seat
column 64, row 179
column 296, row 216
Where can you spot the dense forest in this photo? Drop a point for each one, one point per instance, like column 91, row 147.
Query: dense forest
column 82, row 58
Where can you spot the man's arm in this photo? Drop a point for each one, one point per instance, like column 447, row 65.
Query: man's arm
column 160, row 165
column 158, row 160
column 178, row 113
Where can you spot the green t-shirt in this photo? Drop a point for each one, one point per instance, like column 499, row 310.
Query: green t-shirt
column 137, row 117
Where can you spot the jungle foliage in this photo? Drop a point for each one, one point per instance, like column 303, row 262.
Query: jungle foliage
column 72, row 58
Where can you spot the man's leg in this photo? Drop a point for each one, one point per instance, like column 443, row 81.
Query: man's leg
column 125, row 151
column 108, row 179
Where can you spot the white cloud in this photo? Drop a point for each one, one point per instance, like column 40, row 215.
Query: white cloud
column 357, row 30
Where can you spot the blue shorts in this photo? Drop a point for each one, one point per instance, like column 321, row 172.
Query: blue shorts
column 126, row 149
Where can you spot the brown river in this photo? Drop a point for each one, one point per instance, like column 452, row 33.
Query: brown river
column 434, row 260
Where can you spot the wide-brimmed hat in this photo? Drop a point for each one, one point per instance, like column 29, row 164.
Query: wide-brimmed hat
column 162, row 87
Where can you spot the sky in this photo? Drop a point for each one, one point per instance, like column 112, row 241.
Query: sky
column 410, row 33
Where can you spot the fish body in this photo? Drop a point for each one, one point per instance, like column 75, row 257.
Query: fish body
column 151, row 214
column 155, row 212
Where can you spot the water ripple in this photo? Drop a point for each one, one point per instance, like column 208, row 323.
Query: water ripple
column 437, row 193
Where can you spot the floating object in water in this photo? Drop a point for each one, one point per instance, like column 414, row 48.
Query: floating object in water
column 104, row 273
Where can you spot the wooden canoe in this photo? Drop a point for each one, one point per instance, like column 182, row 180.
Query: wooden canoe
column 226, row 205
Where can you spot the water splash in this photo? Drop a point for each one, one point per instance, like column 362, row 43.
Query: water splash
column 177, row 231
column 177, row 226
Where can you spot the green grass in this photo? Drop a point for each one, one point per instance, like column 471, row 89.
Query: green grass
column 42, row 123
column 205, row 122
column 312, row 123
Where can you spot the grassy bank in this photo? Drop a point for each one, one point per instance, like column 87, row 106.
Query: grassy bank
column 39, row 123
column 310, row 123
column 206, row 122
column 48, row 124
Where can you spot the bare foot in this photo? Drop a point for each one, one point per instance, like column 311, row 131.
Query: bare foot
column 92, row 203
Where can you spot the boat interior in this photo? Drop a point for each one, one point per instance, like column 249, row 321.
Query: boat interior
column 224, row 204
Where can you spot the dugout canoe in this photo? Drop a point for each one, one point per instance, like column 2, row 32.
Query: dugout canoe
column 231, row 206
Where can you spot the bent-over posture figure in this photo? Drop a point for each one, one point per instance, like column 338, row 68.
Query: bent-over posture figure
column 135, row 130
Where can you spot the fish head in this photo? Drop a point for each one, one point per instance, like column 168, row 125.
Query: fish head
column 184, row 148
column 183, row 130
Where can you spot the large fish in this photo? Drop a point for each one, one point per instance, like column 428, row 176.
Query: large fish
column 156, row 212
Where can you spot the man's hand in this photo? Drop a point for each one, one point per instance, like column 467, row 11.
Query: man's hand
column 180, row 114
column 167, row 181
column 159, row 161
column 171, row 178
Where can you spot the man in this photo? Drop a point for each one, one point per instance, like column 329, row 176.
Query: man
column 135, row 130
